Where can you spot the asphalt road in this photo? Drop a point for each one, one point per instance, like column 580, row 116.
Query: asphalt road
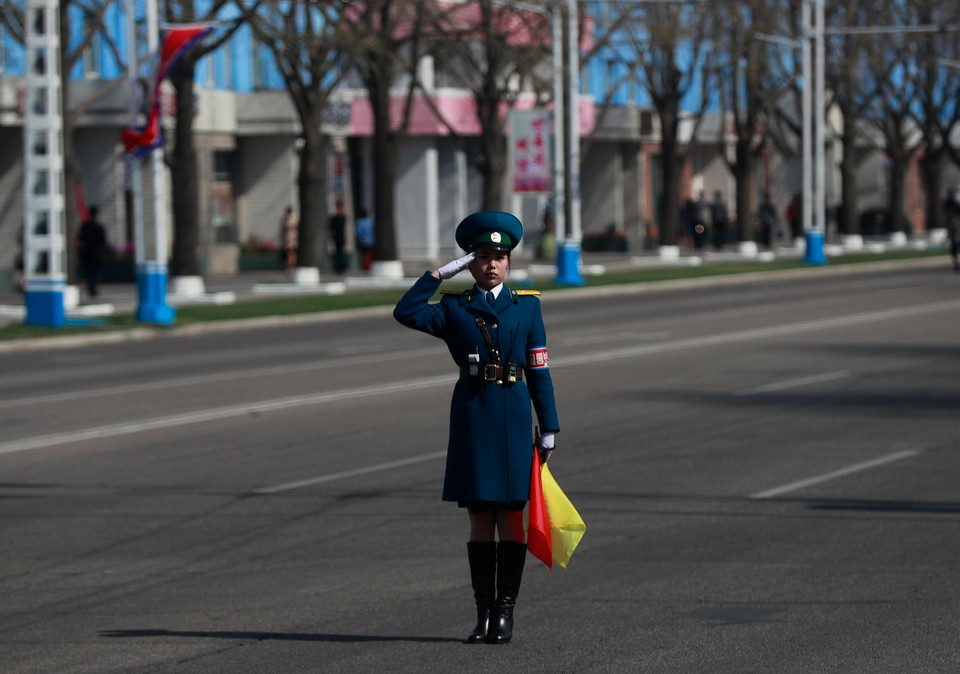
column 768, row 470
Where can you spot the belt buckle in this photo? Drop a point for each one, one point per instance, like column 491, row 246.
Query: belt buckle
column 489, row 372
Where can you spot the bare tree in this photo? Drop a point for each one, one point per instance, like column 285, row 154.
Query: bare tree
column 386, row 44
column 668, row 43
column 891, row 92
column 740, row 60
column 844, row 79
column 183, row 157
column 496, row 52
column 308, row 41
column 938, row 88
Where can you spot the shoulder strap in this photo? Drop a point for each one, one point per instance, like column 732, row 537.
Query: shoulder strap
column 491, row 349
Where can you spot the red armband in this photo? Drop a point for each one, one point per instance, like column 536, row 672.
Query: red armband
column 537, row 359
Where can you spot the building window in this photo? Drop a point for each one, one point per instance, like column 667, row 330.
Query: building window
column 92, row 57
column 222, row 216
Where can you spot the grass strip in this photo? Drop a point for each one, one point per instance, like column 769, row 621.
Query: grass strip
column 308, row 304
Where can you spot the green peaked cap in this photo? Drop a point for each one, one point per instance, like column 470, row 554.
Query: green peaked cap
column 489, row 229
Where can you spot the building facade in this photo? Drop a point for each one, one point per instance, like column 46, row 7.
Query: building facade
column 247, row 136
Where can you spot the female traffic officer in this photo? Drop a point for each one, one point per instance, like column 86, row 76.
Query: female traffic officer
column 496, row 337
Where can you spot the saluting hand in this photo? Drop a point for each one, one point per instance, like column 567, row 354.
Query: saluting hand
column 451, row 269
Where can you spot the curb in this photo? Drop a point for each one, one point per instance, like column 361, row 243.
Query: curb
column 213, row 327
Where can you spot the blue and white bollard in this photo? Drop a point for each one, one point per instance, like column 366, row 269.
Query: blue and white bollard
column 152, row 293
column 568, row 264
column 814, row 254
column 43, row 298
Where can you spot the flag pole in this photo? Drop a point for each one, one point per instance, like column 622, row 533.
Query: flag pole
column 152, row 272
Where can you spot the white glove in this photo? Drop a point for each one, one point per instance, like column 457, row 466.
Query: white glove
column 546, row 445
column 451, row 269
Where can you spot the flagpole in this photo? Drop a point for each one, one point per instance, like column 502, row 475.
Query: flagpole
column 152, row 271
column 133, row 174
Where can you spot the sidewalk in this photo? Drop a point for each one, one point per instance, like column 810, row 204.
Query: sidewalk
column 265, row 284
column 122, row 298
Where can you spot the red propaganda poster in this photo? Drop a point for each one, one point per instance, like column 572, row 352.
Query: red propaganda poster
column 530, row 150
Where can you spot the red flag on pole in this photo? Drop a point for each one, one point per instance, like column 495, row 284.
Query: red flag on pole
column 175, row 43
column 539, row 541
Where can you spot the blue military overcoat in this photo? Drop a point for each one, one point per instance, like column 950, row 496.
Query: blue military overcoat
column 490, row 447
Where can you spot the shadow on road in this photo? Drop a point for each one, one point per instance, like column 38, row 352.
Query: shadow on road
column 274, row 636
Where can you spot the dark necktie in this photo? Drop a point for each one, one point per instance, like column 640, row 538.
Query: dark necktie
column 490, row 298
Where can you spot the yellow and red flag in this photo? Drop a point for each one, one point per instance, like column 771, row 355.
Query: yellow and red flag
column 539, row 539
column 566, row 525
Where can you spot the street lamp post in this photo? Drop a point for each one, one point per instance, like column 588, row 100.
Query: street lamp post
column 569, row 234
column 814, row 175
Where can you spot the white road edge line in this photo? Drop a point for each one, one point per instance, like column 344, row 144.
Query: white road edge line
column 826, row 477
column 43, row 441
column 794, row 383
column 99, row 432
column 309, row 482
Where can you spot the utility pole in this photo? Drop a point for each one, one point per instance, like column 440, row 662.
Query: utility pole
column 44, row 231
column 151, row 253
column 568, row 248
column 814, row 173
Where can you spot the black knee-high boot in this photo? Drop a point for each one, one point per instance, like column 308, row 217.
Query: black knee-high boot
column 511, row 556
column 483, row 571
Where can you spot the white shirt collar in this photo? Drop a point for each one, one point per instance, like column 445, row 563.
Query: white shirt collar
column 495, row 290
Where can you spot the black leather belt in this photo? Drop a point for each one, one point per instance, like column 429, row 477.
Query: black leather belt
column 490, row 372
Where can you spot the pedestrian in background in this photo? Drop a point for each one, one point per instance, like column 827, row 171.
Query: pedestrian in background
column 695, row 220
column 952, row 214
column 767, row 215
column 365, row 239
column 289, row 238
column 497, row 339
column 794, row 216
column 337, row 225
column 92, row 245
column 719, row 219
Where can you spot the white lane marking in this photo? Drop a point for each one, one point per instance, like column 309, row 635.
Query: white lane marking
column 217, row 414
column 794, row 383
column 415, row 384
column 756, row 333
column 613, row 337
column 826, row 477
column 309, row 482
column 190, row 381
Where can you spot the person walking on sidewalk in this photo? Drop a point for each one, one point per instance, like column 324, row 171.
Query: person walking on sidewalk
column 289, row 238
column 498, row 341
column 365, row 236
column 92, row 244
column 952, row 208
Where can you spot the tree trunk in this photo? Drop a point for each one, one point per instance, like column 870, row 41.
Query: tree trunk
column 493, row 171
column 384, row 168
column 897, row 177
column 930, row 166
column 744, row 173
column 849, row 217
column 669, row 200
column 312, row 195
column 71, row 213
column 185, row 199
column 670, row 161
